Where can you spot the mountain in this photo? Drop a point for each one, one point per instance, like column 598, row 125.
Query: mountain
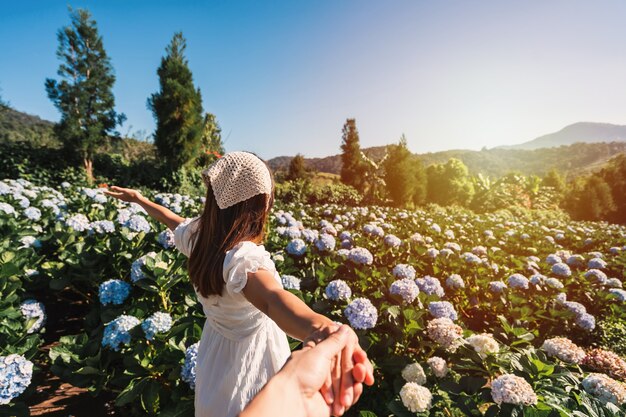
column 578, row 132
column 16, row 126
column 572, row 160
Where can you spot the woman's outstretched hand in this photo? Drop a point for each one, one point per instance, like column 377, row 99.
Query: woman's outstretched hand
column 124, row 194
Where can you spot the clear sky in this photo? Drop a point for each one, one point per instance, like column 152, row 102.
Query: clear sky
column 282, row 76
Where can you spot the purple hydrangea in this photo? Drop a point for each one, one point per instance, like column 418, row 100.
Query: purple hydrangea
column 361, row 256
column 518, row 281
column 430, row 285
column 338, row 290
column 596, row 263
column 586, row 322
column 403, row 271
column 455, row 282
column 405, row 288
column 325, row 243
column 562, row 270
column 619, row 293
column 439, row 309
column 497, row 287
column 361, row 314
column 599, row 276
column 392, row 241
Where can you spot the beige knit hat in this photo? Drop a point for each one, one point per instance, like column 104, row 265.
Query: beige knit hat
column 236, row 177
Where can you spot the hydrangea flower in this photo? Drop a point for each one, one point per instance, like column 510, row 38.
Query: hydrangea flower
column 512, row 389
column 33, row 309
column 575, row 261
column 310, row 235
column 484, row 344
column 416, row 398
column 338, row 290
column 117, row 331
column 188, row 372
column 136, row 271
column 605, row 389
column 607, row 362
column 325, row 243
column 138, row 223
column 78, row 222
column 32, row 213
column 455, row 282
column 620, row 294
column 599, row 276
column 553, row 259
column 440, row 309
column 596, row 263
column 401, row 271
column 361, row 313
column 586, row 322
column 497, row 287
column 554, row 283
column 614, row 283
column 290, row 282
column 414, row 372
column 564, row 349
column 113, row 291
column 102, row 226
column 296, row 247
column 7, row 208
column 432, row 252
column 360, row 256
column 405, row 288
column 30, row 241
column 16, row 373
column 470, row 258
column 159, row 322
column 166, row 239
column 562, row 270
column 392, row 241
column 430, row 285
column 444, row 332
column 518, row 281
column 438, row 366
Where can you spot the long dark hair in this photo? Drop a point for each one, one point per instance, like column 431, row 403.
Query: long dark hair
column 218, row 231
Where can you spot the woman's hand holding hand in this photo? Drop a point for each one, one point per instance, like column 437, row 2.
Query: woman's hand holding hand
column 124, row 194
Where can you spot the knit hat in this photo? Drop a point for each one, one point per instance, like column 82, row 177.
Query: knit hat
column 236, row 177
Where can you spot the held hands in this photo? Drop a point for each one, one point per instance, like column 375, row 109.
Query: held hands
column 124, row 194
column 350, row 368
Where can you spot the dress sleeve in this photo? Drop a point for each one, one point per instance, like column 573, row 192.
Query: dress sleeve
column 182, row 236
column 243, row 258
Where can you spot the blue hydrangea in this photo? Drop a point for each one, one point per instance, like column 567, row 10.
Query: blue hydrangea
column 188, row 372
column 497, row 287
column 518, row 281
column 293, row 232
column 615, row 250
column 159, row 322
column 343, row 252
column 117, row 331
column 596, row 263
column 554, row 283
column 123, row 215
column 30, row 241
column 33, row 309
column 136, row 271
column 599, row 276
column 470, row 258
column 345, row 236
column 586, row 322
column 325, row 243
column 435, row 228
column 575, row 307
column 113, row 291
column 392, row 241
column 403, row 271
column 439, row 309
column 562, row 270
column 138, row 223
column 7, row 208
column 338, row 290
column 32, row 213
column 575, row 261
column 553, row 259
column 455, row 282
column 103, row 226
column 310, row 235
column 296, row 247
column 361, row 314
column 78, row 222
column 290, row 282
column 361, row 256
column 16, row 373
column 405, row 288
column 430, row 286
column 537, row 279
column 614, row 283
column 619, row 293
column 346, row 244
column 166, row 239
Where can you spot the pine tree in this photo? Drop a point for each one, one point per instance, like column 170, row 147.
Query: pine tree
column 84, row 94
column 177, row 108
column 352, row 168
column 297, row 168
column 212, row 145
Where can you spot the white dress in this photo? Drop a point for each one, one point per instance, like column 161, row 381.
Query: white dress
column 241, row 348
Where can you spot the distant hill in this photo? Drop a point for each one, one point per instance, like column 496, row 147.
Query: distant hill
column 578, row 132
column 16, row 126
column 572, row 160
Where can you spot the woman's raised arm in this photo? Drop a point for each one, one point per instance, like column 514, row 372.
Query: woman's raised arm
column 156, row 211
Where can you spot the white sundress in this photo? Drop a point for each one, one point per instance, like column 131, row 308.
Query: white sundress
column 241, row 348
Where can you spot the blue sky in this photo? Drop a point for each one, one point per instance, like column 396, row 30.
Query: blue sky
column 282, row 76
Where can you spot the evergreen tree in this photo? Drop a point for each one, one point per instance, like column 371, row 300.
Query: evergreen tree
column 595, row 201
column 212, row 145
column 399, row 173
column 177, row 108
column 84, row 94
column 614, row 174
column 297, row 168
column 352, row 169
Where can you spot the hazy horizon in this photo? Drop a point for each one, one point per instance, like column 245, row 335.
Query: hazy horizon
column 282, row 77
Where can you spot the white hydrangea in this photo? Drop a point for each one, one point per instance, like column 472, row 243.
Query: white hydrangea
column 484, row 344
column 438, row 366
column 512, row 389
column 416, row 398
column 605, row 388
column 414, row 372
column 564, row 349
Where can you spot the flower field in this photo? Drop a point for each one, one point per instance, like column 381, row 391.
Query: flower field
column 505, row 314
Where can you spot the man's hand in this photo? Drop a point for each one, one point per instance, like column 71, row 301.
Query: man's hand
column 124, row 194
